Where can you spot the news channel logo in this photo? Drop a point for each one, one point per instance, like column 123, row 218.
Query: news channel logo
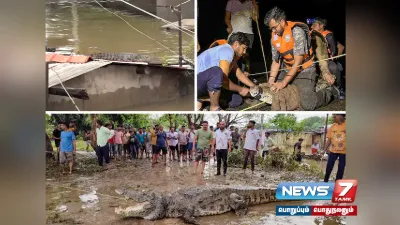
column 341, row 191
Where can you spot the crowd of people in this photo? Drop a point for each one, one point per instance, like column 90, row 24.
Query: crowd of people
column 295, row 48
column 197, row 144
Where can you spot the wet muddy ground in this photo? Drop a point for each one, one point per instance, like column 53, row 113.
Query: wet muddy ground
column 66, row 191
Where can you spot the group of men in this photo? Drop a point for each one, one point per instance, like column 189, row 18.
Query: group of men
column 198, row 145
column 294, row 47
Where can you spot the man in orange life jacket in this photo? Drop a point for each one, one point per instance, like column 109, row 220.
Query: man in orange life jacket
column 291, row 45
column 232, row 92
column 334, row 49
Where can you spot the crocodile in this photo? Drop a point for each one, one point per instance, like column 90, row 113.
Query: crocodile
column 190, row 203
column 127, row 57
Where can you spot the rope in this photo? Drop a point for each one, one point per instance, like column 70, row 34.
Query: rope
column 83, row 190
column 182, row 3
column 252, row 106
column 58, row 76
column 141, row 31
column 285, row 69
column 299, row 65
column 157, row 17
column 262, row 48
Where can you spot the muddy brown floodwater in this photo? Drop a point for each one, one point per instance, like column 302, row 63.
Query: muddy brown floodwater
column 66, row 190
column 87, row 28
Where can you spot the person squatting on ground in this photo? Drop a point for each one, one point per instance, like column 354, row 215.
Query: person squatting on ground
column 251, row 144
column 67, row 147
column 202, row 139
column 223, row 142
column 172, row 139
column 214, row 65
column 103, row 134
column 183, row 142
column 291, row 45
column 336, row 144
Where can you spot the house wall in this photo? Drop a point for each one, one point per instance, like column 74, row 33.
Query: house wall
column 119, row 87
column 287, row 141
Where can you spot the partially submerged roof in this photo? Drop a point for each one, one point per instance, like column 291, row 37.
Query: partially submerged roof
column 67, row 71
column 59, row 58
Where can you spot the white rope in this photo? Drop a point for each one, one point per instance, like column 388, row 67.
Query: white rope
column 182, row 3
column 299, row 65
column 163, row 20
column 141, row 31
column 58, row 76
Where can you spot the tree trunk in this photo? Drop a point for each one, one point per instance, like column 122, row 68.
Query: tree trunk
column 170, row 120
column 189, row 119
column 93, row 117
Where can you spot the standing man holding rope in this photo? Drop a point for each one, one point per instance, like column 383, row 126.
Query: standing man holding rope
column 291, row 45
column 238, row 18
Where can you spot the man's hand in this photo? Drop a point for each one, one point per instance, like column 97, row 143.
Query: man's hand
column 329, row 78
column 244, row 91
column 229, row 149
column 229, row 30
column 278, row 86
column 246, row 73
column 212, row 149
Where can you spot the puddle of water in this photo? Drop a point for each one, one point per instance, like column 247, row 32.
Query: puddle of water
column 89, row 200
column 139, row 175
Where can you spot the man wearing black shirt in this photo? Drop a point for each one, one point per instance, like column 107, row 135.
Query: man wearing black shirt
column 297, row 150
column 56, row 137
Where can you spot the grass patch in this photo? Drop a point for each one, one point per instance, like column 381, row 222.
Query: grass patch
column 282, row 160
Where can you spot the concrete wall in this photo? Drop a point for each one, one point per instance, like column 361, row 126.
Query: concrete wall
column 283, row 140
column 119, row 87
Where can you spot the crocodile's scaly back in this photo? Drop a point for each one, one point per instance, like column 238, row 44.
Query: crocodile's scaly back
column 215, row 199
column 127, row 57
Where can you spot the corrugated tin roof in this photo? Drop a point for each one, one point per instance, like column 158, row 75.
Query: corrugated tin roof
column 67, row 71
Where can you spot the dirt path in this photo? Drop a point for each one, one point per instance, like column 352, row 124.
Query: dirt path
column 139, row 175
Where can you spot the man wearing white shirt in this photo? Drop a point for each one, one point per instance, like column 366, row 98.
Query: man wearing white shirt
column 268, row 145
column 190, row 141
column 223, row 142
column 172, row 139
column 251, row 144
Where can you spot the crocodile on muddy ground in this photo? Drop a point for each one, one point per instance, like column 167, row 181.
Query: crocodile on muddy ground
column 195, row 202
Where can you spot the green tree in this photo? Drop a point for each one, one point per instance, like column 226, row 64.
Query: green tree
column 287, row 122
column 314, row 122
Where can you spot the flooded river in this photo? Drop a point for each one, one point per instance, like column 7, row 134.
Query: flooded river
column 87, row 28
column 68, row 193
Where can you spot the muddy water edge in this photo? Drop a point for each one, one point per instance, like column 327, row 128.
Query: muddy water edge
column 66, row 194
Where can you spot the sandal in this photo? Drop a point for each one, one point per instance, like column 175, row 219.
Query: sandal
column 202, row 104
